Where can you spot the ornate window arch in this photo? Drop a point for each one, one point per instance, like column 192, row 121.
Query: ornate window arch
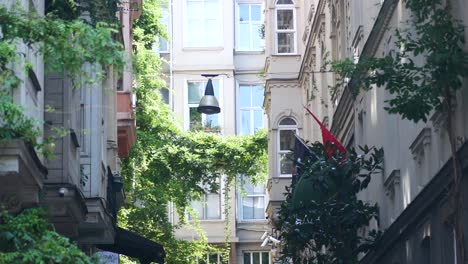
column 287, row 129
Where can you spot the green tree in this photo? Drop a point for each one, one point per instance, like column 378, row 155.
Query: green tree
column 28, row 238
column 420, row 88
column 321, row 216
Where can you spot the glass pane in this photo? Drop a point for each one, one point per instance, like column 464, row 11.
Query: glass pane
column 257, row 94
column 194, row 9
column 197, row 208
column 195, row 118
column 287, row 122
column 258, row 120
column 259, row 189
column 193, row 32
column 256, row 258
column 286, row 164
column 256, row 13
column 202, row 261
column 284, row 2
column 285, row 19
column 287, row 139
column 247, row 207
column 244, row 96
column 245, row 122
column 195, row 92
column 243, row 13
column 247, row 258
column 211, row 9
column 164, row 95
column 259, row 208
column 256, row 39
column 211, row 121
column 212, row 33
column 213, row 258
column 244, row 36
column 285, row 42
column 265, row 258
column 213, row 206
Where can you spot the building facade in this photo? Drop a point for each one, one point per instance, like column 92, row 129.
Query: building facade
column 222, row 38
column 93, row 125
column 417, row 168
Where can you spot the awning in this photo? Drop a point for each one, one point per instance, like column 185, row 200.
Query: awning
column 133, row 245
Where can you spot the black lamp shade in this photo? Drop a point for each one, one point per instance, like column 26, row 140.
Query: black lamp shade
column 209, row 104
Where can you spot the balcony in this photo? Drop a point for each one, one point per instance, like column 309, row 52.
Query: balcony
column 22, row 175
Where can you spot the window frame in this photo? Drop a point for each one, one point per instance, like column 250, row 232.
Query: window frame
column 202, row 33
column 251, row 23
column 253, row 252
column 251, row 108
column 294, row 31
column 247, row 195
column 220, row 255
column 187, row 106
column 278, row 142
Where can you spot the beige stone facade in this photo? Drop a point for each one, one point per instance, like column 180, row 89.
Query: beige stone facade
column 410, row 189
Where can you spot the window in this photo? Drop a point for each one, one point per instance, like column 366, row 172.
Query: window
column 163, row 42
column 285, row 27
column 286, row 131
column 203, row 23
column 253, row 202
column 250, row 108
column 212, row 258
column 197, row 120
column 248, row 28
column 256, row 258
column 208, row 207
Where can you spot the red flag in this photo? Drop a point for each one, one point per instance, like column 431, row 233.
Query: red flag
column 327, row 136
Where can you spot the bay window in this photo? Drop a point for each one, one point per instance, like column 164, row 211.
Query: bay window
column 250, row 108
column 286, row 137
column 249, row 22
column 285, row 27
column 253, row 202
column 203, row 24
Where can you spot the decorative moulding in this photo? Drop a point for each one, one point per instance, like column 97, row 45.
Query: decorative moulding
column 422, row 140
column 391, row 183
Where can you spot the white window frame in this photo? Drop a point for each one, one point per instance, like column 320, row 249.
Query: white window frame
column 241, row 198
column 278, row 142
column 251, row 256
column 251, row 23
column 251, row 109
column 277, row 31
column 202, row 31
column 204, row 199
column 187, row 106
column 166, row 17
column 208, row 258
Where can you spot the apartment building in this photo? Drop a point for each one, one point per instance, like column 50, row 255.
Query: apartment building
column 79, row 186
column 301, row 36
column 221, row 38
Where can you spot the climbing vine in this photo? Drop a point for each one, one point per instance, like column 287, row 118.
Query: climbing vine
column 322, row 221
column 423, row 77
column 171, row 166
column 64, row 45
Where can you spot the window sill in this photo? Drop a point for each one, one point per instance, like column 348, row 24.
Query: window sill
column 286, row 55
column 249, row 52
column 202, row 48
column 208, row 221
column 252, row 221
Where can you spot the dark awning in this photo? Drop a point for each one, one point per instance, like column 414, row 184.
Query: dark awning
column 133, row 245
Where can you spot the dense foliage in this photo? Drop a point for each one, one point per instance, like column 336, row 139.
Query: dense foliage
column 321, row 216
column 169, row 165
column 65, row 47
column 423, row 76
column 28, row 238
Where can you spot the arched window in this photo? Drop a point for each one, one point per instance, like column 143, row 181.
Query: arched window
column 285, row 36
column 287, row 129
